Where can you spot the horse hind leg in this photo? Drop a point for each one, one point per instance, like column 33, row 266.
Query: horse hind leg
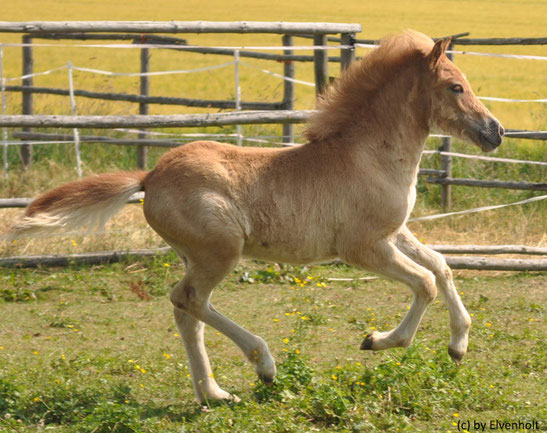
column 192, row 333
column 191, row 298
column 205, row 386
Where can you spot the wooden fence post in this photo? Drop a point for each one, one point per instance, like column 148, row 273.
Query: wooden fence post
column 27, row 105
column 142, row 150
column 446, row 160
column 321, row 63
column 288, row 89
column 347, row 55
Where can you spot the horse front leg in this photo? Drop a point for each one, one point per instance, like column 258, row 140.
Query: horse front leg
column 460, row 321
column 384, row 258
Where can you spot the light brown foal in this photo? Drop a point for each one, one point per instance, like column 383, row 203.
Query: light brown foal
column 345, row 194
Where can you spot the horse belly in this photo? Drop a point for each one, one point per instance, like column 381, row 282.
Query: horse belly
column 291, row 248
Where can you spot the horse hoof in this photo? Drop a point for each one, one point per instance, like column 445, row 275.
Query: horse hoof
column 220, row 396
column 268, row 380
column 367, row 343
column 456, row 356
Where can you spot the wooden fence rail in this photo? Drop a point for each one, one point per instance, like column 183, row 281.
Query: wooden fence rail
column 456, row 262
column 143, row 99
column 283, row 28
column 156, row 121
column 527, row 186
column 142, row 32
column 490, row 249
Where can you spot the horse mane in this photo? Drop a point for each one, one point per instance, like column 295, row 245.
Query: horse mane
column 355, row 89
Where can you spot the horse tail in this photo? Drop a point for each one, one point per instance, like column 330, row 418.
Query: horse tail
column 84, row 203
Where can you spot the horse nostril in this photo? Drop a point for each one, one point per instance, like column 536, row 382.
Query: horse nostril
column 495, row 127
column 501, row 130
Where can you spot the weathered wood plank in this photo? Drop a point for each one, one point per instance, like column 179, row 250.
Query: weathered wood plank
column 27, row 98
column 83, row 258
column 178, row 27
column 501, row 41
column 157, row 121
column 24, row 202
column 144, row 99
column 488, row 264
column 478, row 263
column 527, row 186
column 97, row 139
column 288, row 88
column 348, row 55
column 489, row 249
column 321, row 64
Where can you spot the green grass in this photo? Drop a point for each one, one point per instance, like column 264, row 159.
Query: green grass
column 83, row 351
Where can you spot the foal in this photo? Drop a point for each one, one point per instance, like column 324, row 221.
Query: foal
column 345, row 194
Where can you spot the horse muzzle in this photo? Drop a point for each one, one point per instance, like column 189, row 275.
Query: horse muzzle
column 491, row 136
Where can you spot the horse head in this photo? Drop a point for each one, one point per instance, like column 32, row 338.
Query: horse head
column 454, row 107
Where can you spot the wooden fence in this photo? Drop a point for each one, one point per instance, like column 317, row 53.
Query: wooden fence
column 281, row 112
column 455, row 262
column 142, row 33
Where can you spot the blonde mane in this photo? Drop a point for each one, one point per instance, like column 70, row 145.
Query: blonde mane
column 353, row 91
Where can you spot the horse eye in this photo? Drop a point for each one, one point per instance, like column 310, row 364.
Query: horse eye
column 457, row 88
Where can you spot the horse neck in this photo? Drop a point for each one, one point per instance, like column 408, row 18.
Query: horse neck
column 390, row 125
column 396, row 122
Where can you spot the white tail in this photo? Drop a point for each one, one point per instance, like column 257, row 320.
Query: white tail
column 82, row 204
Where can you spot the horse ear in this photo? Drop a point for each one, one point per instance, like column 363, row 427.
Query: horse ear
column 438, row 50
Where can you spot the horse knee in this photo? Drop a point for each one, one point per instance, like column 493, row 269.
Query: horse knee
column 440, row 268
column 427, row 289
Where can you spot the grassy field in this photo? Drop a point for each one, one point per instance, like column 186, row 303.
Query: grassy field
column 95, row 349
